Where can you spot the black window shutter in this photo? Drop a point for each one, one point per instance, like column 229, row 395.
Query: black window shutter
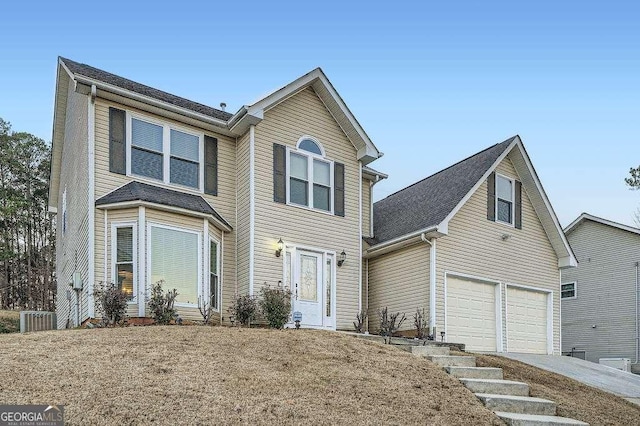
column 338, row 191
column 117, row 145
column 210, row 165
column 518, row 205
column 491, row 197
column 279, row 173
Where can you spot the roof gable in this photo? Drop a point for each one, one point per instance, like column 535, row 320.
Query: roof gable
column 430, row 204
column 589, row 217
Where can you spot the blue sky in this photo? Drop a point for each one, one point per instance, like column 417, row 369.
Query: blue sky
column 431, row 82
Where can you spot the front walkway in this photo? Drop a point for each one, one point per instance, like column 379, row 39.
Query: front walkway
column 626, row 385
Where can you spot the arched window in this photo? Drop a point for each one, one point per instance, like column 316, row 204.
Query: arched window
column 310, row 176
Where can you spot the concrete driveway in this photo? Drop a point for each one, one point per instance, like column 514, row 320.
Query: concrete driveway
column 626, row 385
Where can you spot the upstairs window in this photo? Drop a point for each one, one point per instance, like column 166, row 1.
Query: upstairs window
column 161, row 152
column 310, row 176
column 504, row 199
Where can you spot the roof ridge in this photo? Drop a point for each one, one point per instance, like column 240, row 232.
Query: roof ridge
column 447, row 168
column 65, row 60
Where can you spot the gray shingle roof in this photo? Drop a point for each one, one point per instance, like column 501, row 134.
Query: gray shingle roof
column 123, row 83
column 137, row 191
column 428, row 202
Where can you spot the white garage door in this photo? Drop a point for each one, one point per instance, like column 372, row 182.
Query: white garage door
column 526, row 321
column 471, row 313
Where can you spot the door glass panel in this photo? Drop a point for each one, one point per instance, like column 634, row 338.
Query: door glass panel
column 287, row 270
column 309, row 278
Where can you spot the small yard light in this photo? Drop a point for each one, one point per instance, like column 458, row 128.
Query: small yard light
column 232, row 318
column 442, row 336
column 297, row 318
column 341, row 258
column 280, row 247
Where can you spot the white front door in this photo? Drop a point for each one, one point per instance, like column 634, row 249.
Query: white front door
column 307, row 290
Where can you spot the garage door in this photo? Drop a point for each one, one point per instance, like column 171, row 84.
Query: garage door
column 526, row 321
column 471, row 313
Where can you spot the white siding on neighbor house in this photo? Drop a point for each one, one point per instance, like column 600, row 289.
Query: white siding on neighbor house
column 72, row 247
column 605, row 291
column 399, row 280
column 305, row 114
column 474, row 246
column 224, row 202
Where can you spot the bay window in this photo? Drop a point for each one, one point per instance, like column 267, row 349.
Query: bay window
column 124, row 257
column 214, row 281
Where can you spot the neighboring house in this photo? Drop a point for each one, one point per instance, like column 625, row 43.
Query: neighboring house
column 600, row 296
column 479, row 248
column 149, row 186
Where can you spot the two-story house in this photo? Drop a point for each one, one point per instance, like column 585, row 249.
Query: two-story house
column 600, row 297
column 149, row 186
column 479, row 248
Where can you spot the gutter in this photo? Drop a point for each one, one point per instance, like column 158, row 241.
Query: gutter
column 432, row 282
column 387, row 246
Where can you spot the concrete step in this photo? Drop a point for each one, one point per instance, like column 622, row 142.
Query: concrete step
column 429, row 350
column 475, row 372
column 496, row 387
column 452, row 361
column 518, row 404
column 516, row 419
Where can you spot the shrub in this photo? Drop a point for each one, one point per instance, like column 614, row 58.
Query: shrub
column 275, row 304
column 9, row 322
column 360, row 322
column 161, row 304
column 111, row 303
column 421, row 324
column 244, row 310
column 206, row 308
column 390, row 323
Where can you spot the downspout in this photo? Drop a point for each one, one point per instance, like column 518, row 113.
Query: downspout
column 91, row 196
column 432, row 282
column 252, row 136
column 637, row 328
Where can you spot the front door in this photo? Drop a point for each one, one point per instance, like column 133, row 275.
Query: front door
column 307, row 290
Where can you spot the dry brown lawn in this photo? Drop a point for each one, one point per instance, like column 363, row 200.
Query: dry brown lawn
column 574, row 399
column 215, row 375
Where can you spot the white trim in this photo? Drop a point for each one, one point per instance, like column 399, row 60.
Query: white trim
column 432, row 285
column 310, row 157
column 221, row 268
column 163, row 207
column 371, row 183
column 166, row 150
column 114, row 255
column 500, row 347
column 206, row 262
column 105, row 277
column 252, row 203
column 360, row 237
column 549, row 294
column 142, row 266
column 91, row 136
column 587, row 216
column 575, row 290
column 390, row 245
column 211, row 238
column 199, row 284
column 512, row 181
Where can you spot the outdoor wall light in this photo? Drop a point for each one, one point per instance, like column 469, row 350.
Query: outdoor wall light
column 341, row 258
column 280, row 247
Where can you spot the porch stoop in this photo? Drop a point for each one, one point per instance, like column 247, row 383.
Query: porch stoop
column 508, row 399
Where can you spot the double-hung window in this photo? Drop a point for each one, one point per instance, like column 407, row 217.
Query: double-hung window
column 214, row 278
column 310, row 176
column 124, row 257
column 161, row 152
column 568, row 291
column 504, row 199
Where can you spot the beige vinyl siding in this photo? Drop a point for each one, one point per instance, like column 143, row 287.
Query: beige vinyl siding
column 474, row 247
column 72, row 248
column 224, row 202
column 605, row 292
column 366, row 207
column 243, row 214
column 399, row 280
column 305, row 114
column 104, row 258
